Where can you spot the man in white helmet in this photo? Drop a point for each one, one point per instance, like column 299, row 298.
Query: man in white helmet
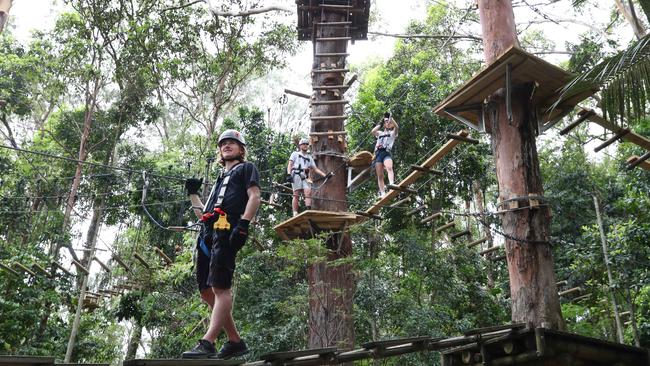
column 383, row 159
column 232, row 204
column 301, row 164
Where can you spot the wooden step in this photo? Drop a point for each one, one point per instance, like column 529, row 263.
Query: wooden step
column 326, row 71
column 330, row 87
column 332, row 23
column 326, row 39
column 324, row 118
column 329, row 102
column 333, row 54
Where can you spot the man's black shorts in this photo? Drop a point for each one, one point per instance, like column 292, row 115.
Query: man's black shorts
column 218, row 269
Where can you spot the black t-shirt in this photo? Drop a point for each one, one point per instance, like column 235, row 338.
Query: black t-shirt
column 243, row 176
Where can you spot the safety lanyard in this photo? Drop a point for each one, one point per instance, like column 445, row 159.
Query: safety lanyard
column 224, row 185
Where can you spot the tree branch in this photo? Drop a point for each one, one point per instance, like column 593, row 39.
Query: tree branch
column 182, row 6
column 428, row 36
column 248, row 12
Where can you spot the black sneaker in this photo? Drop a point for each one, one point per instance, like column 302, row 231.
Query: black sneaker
column 203, row 349
column 232, row 349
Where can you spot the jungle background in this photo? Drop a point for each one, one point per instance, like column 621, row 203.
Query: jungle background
column 143, row 85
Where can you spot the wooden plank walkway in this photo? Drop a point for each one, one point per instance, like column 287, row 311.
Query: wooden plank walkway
column 411, row 178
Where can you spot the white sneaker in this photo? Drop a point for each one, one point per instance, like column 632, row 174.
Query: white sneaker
column 295, row 213
column 382, row 194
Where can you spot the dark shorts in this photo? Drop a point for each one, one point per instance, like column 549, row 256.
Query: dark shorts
column 218, row 269
column 381, row 155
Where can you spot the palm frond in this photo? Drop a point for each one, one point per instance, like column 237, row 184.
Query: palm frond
column 624, row 80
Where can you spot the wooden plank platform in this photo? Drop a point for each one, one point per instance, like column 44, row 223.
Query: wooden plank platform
column 183, row 362
column 411, row 178
column 361, row 160
column 310, row 222
column 526, row 68
column 320, row 352
column 26, row 361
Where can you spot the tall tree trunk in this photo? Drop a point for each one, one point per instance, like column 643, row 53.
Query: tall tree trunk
column 603, row 241
column 630, row 15
column 645, row 6
column 635, row 326
column 91, row 242
column 480, row 207
column 134, row 341
column 5, row 5
column 331, row 287
column 530, row 259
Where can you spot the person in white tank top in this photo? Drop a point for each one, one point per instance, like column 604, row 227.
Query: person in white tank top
column 383, row 159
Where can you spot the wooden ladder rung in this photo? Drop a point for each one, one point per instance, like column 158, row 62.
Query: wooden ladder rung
column 332, row 54
column 329, row 39
column 329, row 102
column 324, row 118
column 401, row 189
column 330, row 87
column 326, row 71
column 332, row 23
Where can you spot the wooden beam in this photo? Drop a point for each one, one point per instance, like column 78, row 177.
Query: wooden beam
column 411, row 178
column 632, row 137
column 330, row 87
column 445, row 226
column 645, row 165
column 80, row 267
column 477, row 242
column 328, row 71
column 561, row 283
column 102, row 264
column 376, row 217
column 400, row 202
column 41, row 269
column 325, row 118
column 462, row 138
column 490, row 250
column 328, row 133
column 414, row 211
column 459, row 234
column 298, row 94
column 583, row 117
column 121, row 262
column 352, row 80
column 332, row 39
column 9, row 269
column 141, row 260
column 430, row 218
column 59, row 266
column 612, row 139
column 162, row 255
column 580, row 298
column 569, row 291
column 638, row 161
column 426, row 170
column 401, row 189
column 24, row 269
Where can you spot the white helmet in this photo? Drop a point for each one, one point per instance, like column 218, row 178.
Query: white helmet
column 231, row 134
column 303, row 141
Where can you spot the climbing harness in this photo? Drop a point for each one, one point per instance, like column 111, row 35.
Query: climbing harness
column 156, row 222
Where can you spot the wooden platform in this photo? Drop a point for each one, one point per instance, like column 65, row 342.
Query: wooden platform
column 541, row 347
column 26, row 361
column 525, row 68
column 183, row 362
column 361, row 160
column 411, row 178
column 309, row 13
column 311, row 222
column 632, row 137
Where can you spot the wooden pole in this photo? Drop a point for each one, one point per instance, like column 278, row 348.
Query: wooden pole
column 530, row 259
column 603, row 241
column 331, row 288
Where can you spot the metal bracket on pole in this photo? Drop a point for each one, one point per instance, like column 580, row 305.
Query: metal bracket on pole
column 478, row 107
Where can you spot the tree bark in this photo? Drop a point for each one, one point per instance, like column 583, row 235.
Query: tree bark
column 529, row 256
column 91, row 242
column 635, row 326
column 5, row 5
column 630, row 15
column 603, row 241
column 134, row 341
column 331, row 287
